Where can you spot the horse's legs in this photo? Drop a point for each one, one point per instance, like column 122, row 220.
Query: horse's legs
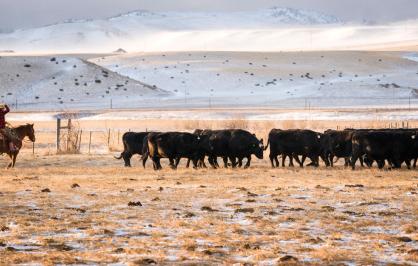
column 14, row 156
column 11, row 161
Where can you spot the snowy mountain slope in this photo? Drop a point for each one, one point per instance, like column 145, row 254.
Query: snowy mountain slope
column 296, row 80
column 286, row 80
column 273, row 29
column 57, row 83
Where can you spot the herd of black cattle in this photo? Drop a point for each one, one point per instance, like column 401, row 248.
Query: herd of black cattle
column 391, row 146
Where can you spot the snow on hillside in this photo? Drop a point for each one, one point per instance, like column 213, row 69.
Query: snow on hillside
column 274, row 29
column 63, row 82
column 299, row 80
column 284, row 80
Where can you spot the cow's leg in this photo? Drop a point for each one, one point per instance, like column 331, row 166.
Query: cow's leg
column 156, row 163
column 177, row 161
column 362, row 161
column 215, row 161
column 408, row 163
column 195, row 162
column 331, row 160
column 172, row 163
column 188, row 163
column 212, row 162
column 240, row 162
column 233, row 161
column 202, row 163
column 346, row 161
column 316, row 161
column 283, row 159
column 354, row 158
column 127, row 158
column 248, row 162
column 299, row 161
column 225, row 159
column 144, row 158
column 381, row 164
column 291, row 160
column 415, row 162
column 272, row 157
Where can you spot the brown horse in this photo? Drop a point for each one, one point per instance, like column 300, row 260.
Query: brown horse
column 21, row 132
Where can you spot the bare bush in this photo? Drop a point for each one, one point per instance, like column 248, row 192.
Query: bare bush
column 70, row 137
column 237, row 122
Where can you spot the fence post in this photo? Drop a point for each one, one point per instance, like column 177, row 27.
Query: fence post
column 89, row 142
column 58, row 133
column 79, row 141
column 33, row 148
column 108, row 137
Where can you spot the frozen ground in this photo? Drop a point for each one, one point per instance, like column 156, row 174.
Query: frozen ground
column 73, row 209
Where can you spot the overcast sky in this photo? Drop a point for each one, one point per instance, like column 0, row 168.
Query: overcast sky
column 33, row 13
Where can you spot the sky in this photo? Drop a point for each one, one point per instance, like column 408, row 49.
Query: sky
column 16, row 14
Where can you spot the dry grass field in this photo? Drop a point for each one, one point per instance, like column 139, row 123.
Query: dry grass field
column 75, row 209
column 89, row 209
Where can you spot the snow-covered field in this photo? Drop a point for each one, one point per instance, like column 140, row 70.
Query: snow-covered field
column 207, row 80
column 298, row 80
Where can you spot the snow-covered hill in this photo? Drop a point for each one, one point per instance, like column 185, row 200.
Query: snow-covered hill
column 63, row 82
column 274, row 29
column 297, row 80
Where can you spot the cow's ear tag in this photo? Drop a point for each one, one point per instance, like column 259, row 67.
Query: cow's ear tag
column 319, row 136
column 413, row 136
column 198, row 137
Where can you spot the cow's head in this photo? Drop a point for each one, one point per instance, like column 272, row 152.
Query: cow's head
column 202, row 142
column 257, row 148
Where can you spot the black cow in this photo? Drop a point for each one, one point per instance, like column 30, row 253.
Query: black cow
column 233, row 144
column 337, row 143
column 243, row 144
column 174, row 146
column 395, row 146
column 292, row 143
column 132, row 144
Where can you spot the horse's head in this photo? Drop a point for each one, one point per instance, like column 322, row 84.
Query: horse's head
column 30, row 132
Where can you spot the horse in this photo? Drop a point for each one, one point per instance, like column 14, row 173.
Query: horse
column 21, row 132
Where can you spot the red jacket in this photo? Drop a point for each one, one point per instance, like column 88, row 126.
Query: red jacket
column 3, row 113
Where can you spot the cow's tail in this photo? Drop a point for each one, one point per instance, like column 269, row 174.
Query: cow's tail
column 124, row 149
column 152, row 149
column 267, row 146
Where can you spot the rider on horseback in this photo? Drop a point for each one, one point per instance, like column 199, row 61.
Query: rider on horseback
column 6, row 131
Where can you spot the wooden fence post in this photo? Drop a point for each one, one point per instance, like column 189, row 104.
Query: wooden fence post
column 89, row 142
column 58, row 133
column 79, row 141
column 108, row 137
